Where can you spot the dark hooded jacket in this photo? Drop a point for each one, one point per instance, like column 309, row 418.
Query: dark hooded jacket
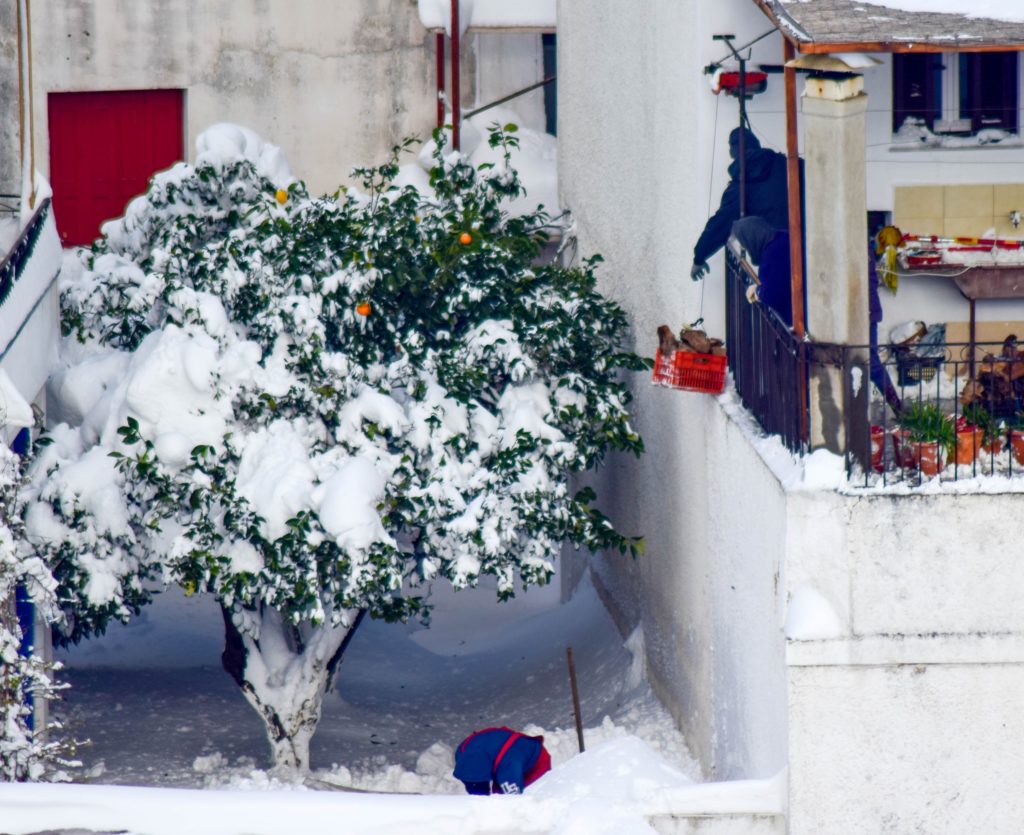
column 768, row 249
column 766, row 193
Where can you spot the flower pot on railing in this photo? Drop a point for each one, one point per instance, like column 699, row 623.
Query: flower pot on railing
column 992, row 429
column 968, row 442
column 931, row 435
column 994, row 446
column 928, row 457
column 877, row 449
column 1017, row 445
column 902, row 449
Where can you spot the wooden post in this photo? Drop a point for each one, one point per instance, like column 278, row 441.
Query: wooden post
column 796, row 236
column 575, row 698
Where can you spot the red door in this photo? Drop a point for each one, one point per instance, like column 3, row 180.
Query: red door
column 104, row 147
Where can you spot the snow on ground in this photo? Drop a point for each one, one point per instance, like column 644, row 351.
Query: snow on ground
column 406, row 696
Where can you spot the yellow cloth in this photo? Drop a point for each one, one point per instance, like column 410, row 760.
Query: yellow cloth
column 886, row 241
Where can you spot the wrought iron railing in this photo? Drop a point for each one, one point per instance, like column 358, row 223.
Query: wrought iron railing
column 13, row 264
column 947, row 410
column 766, row 359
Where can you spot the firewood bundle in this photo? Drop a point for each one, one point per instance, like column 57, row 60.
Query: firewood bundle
column 998, row 384
column 689, row 339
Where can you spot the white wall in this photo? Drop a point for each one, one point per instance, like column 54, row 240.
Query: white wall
column 862, row 732
column 10, row 160
column 334, row 84
column 637, row 133
column 910, row 719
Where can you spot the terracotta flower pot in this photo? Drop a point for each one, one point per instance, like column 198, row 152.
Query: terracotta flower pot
column 993, row 447
column 1017, row 444
column 877, row 449
column 928, row 457
column 903, row 449
column 968, row 442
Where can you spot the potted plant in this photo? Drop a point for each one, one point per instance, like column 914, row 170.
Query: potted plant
column 1017, row 437
column 877, row 448
column 931, row 435
column 991, row 428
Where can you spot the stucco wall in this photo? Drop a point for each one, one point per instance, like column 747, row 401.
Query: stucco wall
column 10, row 158
column 334, row 84
column 637, row 134
column 910, row 748
column 923, row 586
column 910, row 718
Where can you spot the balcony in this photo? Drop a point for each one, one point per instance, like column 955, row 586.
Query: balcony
column 953, row 412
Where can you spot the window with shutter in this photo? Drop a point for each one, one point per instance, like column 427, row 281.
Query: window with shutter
column 988, row 90
column 964, row 92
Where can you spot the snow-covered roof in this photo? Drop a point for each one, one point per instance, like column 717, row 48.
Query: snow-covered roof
column 897, row 25
column 494, row 15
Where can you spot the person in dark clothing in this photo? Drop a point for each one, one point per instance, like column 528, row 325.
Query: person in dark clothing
column 500, row 761
column 878, row 373
column 767, row 189
column 768, row 249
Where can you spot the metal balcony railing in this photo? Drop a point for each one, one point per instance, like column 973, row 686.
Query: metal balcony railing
column 950, row 411
column 14, row 262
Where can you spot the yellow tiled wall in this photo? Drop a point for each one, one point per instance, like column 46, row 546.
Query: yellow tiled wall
column 964, row 210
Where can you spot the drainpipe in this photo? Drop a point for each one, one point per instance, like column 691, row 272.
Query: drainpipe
column 456, row 113
column 440, row 79
column 26, row 117
column 837, row 284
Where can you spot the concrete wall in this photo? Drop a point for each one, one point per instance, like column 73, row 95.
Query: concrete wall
column 334, row 84
column 10, row 157
column 910, row 717
column 637, row 134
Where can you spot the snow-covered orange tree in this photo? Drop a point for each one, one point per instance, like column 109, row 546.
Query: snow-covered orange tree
column 308, row 406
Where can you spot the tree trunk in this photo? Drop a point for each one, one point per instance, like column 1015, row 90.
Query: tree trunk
column 284, row 671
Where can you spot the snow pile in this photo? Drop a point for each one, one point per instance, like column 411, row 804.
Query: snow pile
column 608, row 789
column 535, row 160
column 224, row 143
column 488, row 14
column 914, row 133
column 811, row 617
column 15, row 412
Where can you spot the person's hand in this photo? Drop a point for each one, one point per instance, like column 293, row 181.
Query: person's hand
column 752, row 294
column 699, row 270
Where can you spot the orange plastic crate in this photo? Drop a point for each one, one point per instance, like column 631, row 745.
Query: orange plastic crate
column 688, row 371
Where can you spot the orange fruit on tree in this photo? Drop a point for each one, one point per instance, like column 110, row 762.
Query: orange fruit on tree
column 281, row 196
column 465, row 239
column 363, row 308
